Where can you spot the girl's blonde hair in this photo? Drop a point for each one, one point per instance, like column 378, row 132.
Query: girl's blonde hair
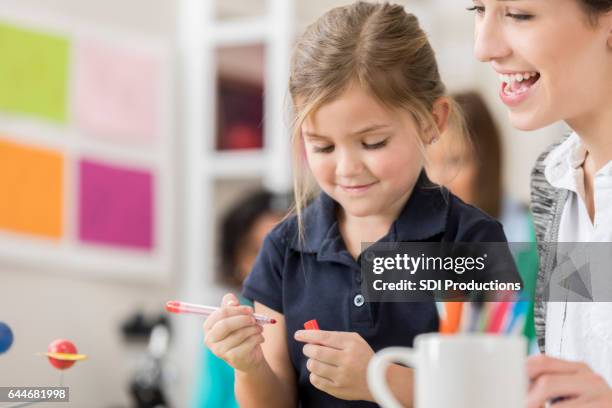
column 381, row 48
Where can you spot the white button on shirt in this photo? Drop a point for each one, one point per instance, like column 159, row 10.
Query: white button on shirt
column 581, row 331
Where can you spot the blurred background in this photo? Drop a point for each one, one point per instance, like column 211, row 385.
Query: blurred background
column 144, row 153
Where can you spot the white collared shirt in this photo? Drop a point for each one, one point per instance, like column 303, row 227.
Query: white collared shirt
column 581, row 331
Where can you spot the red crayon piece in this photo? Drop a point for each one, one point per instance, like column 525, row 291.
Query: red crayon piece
column 311, row 325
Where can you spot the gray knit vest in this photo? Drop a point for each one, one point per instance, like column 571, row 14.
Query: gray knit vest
column 547, row 204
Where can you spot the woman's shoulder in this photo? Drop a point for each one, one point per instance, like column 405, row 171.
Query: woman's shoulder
column 543, row 194
column 537, row 173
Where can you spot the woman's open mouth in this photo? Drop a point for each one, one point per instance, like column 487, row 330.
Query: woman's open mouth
column 516, row 87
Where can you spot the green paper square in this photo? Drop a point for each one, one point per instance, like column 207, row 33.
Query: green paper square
column 33, row 73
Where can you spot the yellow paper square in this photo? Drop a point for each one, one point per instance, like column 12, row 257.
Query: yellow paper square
column 31, row 190
column 33, row 73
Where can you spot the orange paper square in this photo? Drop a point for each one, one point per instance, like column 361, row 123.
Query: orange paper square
column 31, row 190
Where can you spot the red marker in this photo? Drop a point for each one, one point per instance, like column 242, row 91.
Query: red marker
column 175, row 306
column 311, row 325
column 497, row 320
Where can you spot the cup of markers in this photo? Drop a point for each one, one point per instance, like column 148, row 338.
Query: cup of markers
column 477, row 359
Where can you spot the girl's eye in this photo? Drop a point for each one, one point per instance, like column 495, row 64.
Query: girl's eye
column 477, row 9
column 519, row 17
column 374, row 146
column 323, row 149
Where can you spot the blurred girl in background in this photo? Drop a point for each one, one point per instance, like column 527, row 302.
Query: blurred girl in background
column 242, row 232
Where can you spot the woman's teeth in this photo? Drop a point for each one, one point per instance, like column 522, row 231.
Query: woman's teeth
column 509, row 78
column 516, row 84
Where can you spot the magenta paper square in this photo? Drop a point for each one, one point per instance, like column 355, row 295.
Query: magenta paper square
column 117, row 92
column 116, row 205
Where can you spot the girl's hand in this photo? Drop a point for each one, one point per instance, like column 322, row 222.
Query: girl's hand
column 575, row 383
column 337, row 362
column 232, row 334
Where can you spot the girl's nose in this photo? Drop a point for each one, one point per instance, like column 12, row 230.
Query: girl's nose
column 489, row 40
column 348, row 165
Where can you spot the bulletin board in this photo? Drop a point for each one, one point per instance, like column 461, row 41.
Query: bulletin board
column 86, row 148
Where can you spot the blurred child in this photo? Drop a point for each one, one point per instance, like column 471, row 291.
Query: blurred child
column 242, row 233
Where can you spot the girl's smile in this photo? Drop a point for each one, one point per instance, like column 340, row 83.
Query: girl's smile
column 357, row 190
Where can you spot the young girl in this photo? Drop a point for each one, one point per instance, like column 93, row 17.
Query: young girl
column 554, row 58
column 369, row 100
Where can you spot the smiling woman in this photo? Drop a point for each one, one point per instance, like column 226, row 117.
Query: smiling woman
column 553, row 43
column 565, row 47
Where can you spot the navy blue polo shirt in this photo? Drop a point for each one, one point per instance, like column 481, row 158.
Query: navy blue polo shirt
column 318, row 278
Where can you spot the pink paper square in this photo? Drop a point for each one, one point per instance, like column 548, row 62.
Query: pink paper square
column 116, row 205
column 117, row 92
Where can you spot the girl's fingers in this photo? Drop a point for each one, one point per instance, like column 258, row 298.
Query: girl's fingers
column 332, row 339
column 224, row 313
column 246, row 347
column 225, row 327
column 229, row 299
column 322, row 353
column 321, row 383
column 321, row 369
column 236, row 339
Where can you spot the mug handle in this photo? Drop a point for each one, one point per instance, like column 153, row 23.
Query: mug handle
column 377, row 369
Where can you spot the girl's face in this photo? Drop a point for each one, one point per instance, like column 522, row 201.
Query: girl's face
column 363, row 155
column 553, row 65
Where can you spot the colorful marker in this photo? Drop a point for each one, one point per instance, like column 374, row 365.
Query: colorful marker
column 466, row 315
column 452, row 321
column 175, row 306
column 497, row 318
column 441, row 311
column 516, row 324
column 483, row 317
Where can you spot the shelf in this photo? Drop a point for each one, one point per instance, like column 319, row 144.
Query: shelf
column 235, row 164
column 241, row 31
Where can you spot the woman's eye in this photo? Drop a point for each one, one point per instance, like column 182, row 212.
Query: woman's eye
column 519, row 16
column 477, row 9
column 374, row 146
column 323, row 149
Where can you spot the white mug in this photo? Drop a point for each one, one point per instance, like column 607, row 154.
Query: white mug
column 461, row 371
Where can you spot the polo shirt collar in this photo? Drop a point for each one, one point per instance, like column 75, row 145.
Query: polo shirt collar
column 424, row 215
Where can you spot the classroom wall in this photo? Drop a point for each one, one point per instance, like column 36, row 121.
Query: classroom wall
column 42, row 304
